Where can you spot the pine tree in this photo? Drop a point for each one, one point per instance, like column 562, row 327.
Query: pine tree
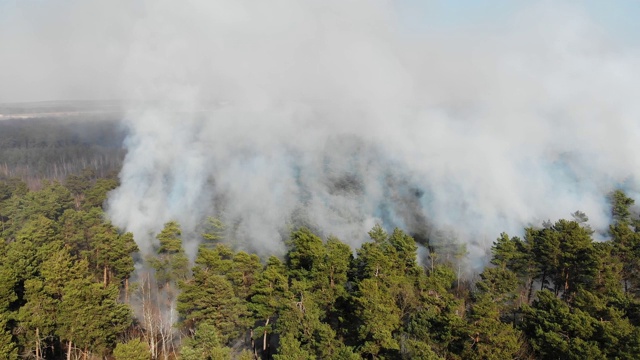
column 379, row 318
column 210, row 297
column 270, row 294
column 556, row 331
column 565, row 254
column 490, row 337
column 305, row 257
column 335, row 269
column 205, row 344
column 243, row 272
column 89, row 315
column 438, row 323
column 626, row 241
column 96, row 195
column 171, row 263
column 134, row 349
column 8, row 348
column 290, row 350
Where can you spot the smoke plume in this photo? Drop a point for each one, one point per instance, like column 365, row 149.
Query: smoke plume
column 341, row 114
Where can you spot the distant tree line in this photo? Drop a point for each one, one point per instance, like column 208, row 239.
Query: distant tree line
column 68, row 290
column 42, row 148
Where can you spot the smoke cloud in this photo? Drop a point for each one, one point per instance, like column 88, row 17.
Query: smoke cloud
column 341, row 114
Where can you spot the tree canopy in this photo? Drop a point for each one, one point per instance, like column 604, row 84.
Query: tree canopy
column 68, row 288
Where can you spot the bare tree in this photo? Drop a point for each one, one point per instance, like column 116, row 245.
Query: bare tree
column 156, row 310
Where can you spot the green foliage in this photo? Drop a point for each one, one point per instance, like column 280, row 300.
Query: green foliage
column 96, row 195
column 8, row 348
column 554, row 293
column 270, row 290
column 9, row 280
column 214, row 231
column 79, row 183
column 290, row 349
column 89, row 313
column 620, row 204
column 205, row 344
column 245, row 355
column 555, row 330
column 134, row 349
column 491, row 338
column 89, row 236
column 506, row 252
column 171, row 263
column 379, row 318
column 438, row 324
column 216, row 293
column 306, row 254
column 12, row 187
column 565, row 256
column 50, row 295
column 243, row 272
column 419, row 350
column 209, row 297
column 50, row 203
column 334, row 275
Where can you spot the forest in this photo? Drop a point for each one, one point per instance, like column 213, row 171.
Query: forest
column 53, row 148
column 73, row 286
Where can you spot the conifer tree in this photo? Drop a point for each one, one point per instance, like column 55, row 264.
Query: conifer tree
column 205, row 344
column 490, row 337
column 270, row 294
column 378, row 316
column 556, row 331
column 134, row 349
column 171, row 263
column 244, row 270
column 8, row 348
column 210, row 297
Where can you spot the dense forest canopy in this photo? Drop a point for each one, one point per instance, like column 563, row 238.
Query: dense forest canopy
column 68, row 289
column 330, row 179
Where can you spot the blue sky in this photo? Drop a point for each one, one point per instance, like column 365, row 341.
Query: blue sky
column 620, row 18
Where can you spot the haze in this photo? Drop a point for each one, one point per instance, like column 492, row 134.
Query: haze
column 342, row 114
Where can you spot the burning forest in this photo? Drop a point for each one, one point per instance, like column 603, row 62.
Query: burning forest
column 319, row 180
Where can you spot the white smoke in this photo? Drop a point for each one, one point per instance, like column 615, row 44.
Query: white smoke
column 337, row 114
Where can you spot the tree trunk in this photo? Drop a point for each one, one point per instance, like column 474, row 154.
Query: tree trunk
column 104, row 276
column 126, row 290
column 331, row 282
column 530, row 293
column 37, row 344
column 253, row 346
column 69, row 350
column 165, row 353
column 264, row 337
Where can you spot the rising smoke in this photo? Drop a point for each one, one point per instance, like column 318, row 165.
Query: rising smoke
column 338, row 115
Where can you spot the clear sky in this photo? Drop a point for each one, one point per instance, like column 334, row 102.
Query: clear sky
column 620, row 18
